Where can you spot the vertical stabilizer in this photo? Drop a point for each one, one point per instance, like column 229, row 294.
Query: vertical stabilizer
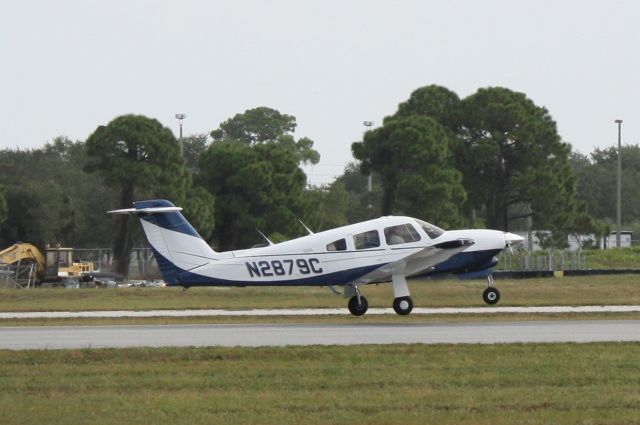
column 176, row 245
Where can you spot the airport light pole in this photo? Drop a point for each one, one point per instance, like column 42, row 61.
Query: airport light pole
column 619, row 186
column 368, row 125
column 180, row 117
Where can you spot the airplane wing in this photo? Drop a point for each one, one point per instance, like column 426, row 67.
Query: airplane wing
column 419, row 262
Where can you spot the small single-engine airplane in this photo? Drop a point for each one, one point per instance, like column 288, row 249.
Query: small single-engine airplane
column 380, row 250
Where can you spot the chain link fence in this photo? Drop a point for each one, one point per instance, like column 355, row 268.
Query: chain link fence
column 549, row 260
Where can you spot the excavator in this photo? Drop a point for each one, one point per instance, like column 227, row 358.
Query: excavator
column 55, row 265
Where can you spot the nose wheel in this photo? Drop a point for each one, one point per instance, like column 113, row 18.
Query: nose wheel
column 358, row 305
column 491, row 295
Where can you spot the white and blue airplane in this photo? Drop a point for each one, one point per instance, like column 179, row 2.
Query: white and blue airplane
column 381, row 250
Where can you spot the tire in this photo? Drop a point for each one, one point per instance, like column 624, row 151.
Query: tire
column 491, row 296
column 358, row 309
column 403, row 305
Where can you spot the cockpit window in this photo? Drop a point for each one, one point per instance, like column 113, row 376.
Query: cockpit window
column 365, row 240
column 431, row 230
column 339, row 245
column 402, row 233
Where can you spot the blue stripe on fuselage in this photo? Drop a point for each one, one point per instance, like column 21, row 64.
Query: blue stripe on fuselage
column 175, row 276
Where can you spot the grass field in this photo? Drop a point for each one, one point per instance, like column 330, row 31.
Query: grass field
column 620, row 258
column 591, row 290
column 408, row 384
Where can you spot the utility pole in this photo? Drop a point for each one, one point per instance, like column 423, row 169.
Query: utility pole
column 368, row 124
column 619, row 196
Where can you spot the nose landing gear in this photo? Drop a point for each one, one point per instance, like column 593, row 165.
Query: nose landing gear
column 491, row 295
column 358, row 304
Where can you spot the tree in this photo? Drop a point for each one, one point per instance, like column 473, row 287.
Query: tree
column 256, row 188
column 512, row 155
column 138, row 156
column 597, row 182
column 3, row 205
column 436, row 102
column 253, row 170
column 192, row 147
column 255, row 126
column 265, row 125
column 51, row 199
column 362, row 204
column 330, row 206
column 411, row 154
column 346, row 200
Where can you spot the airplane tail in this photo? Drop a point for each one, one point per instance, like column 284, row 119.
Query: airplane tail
column 176, row 245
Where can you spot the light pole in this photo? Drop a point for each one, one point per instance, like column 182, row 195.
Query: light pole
column 368, row 124
column 619, row 197
column 180, row 117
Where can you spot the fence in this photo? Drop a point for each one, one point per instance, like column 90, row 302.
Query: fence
column 142, row 260
column 550, row 260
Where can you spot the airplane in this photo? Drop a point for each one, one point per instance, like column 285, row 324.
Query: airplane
column 390, row 248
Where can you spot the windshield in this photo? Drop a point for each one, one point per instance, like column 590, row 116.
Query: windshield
column 431, row 230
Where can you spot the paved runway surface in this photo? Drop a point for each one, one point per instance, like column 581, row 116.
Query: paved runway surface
column 318, row 312
column 59, row 337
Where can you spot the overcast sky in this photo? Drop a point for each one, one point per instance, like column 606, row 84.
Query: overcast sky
column 68, row 66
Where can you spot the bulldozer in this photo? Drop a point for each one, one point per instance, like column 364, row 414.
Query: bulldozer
column 30, row 267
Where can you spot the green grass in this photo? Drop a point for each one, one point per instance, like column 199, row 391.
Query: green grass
column 615, row 290
column 409, row 384
column 615, row 258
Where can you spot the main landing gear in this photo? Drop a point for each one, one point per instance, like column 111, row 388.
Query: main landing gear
column 402, row 303
column 491, row 295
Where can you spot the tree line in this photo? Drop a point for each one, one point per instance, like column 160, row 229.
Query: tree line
column 491, row 159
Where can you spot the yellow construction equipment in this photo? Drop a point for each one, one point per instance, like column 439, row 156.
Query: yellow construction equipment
column 23, row 252
column 56, row 265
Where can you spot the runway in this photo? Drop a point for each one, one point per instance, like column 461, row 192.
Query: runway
column 317, row 312
column 79, row 337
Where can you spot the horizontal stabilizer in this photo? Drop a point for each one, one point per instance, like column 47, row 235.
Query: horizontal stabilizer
column 152, row 210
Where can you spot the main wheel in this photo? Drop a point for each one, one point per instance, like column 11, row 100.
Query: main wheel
column 358, row 309
column 491, row 295
column 403, row 305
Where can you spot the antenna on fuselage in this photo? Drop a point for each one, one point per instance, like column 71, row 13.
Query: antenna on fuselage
column 305, row 226
column 266, row 238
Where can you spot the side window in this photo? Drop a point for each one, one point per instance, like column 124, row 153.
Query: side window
column 402, row 233
column 365, row 240
column 339, row 245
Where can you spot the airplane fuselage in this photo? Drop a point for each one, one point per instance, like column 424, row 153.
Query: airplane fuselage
column 385, row 249
column 312, row 260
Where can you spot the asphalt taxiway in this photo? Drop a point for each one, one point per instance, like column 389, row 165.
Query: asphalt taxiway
column 121, row 336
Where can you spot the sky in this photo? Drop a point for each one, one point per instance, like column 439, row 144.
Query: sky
column 68, row 66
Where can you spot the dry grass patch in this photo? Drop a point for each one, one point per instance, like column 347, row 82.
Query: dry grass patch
column 596, row 290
